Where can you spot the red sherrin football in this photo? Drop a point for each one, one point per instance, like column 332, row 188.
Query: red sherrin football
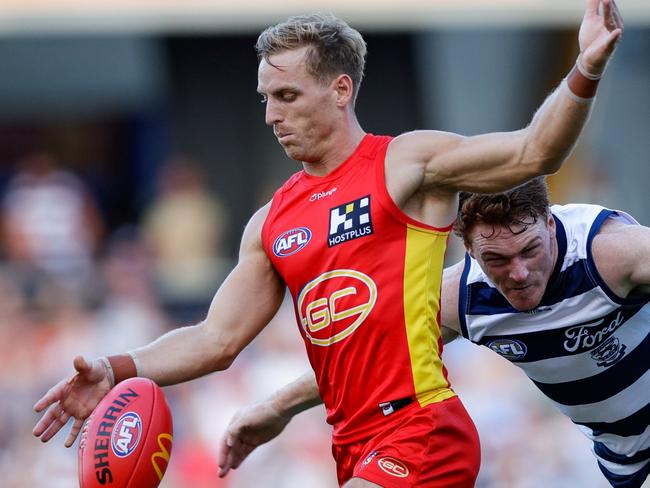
column 127, row 440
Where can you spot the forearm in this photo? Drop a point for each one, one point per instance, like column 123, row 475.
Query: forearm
column 298, row 396
column 181, row 355
column 557, row 125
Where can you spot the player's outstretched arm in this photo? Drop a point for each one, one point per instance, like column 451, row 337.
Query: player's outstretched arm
column 244, row 304
column 258, row 424
column 495, row 162
column 241, row 308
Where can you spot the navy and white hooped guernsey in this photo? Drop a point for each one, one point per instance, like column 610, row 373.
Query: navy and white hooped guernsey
column 585, row 348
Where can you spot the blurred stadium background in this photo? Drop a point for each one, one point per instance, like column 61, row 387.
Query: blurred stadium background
column 133, row 149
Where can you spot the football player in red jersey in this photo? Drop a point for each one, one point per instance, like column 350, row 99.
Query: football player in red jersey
column 363, row 263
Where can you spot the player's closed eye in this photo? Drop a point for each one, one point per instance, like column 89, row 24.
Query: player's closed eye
column 530, row 251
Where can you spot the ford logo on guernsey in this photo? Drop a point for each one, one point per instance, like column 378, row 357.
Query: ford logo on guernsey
column 126, row 434
column 291, row 241
column 511, row 349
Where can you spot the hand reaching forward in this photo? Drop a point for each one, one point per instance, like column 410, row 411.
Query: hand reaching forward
column 75, row 397
column 600, row 31
column 249, row 428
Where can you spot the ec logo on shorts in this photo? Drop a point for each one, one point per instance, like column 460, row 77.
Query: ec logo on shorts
column 291, row 241
column 334, row 305
column 393, row 467
column 511, row 349
column 350, row 221
column 126, row 434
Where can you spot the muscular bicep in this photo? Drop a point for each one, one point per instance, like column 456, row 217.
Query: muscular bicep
column 251, row 294
column 494, row 162
column 485, row 163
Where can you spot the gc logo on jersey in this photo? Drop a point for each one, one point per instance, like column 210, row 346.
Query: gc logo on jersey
column 511, row 349
column 291, row 241
column 334, row 305
column 350, row 221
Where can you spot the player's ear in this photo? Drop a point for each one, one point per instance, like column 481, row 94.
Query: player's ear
column 468, row 249
column 344, row 90
column 550, row 221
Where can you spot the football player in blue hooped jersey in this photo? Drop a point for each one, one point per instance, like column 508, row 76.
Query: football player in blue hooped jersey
column 563, row 292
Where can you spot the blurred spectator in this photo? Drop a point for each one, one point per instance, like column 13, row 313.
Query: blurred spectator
column 129, row 315
column 50, row 222
column 184, row 227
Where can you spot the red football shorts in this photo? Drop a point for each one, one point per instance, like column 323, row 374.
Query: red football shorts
column 435, row 446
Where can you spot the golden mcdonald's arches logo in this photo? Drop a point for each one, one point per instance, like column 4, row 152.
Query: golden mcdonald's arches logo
column 162, row 456
column 334, row 305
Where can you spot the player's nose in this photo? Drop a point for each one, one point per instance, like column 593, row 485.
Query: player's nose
column 273, row 114
column 518, row 271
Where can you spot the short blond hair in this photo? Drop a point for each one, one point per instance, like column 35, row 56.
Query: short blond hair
column 336, row 48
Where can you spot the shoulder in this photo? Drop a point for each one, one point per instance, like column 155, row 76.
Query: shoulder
column 253, row 230
column 420, row 145
column 618, row 248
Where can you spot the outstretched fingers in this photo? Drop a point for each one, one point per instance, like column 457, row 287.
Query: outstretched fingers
column 232, row 453
column 51, row 423
column 224, row 458
column 54, row 394
column 616, row 16
column 74, row 432
column 610, row 18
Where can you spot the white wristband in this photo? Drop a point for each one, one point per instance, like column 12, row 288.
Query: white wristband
column 109, row 370
column 584, row 72
column 136, row 361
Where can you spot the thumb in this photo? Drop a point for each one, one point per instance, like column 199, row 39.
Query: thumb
column 612, row 40
column 93, row 371
column 82, row 366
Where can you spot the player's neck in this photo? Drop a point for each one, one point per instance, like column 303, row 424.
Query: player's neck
column 340, row 146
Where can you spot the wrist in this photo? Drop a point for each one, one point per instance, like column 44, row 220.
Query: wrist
column 120, row 367
column 581, row 83
column 589, row 73
column 280, row 406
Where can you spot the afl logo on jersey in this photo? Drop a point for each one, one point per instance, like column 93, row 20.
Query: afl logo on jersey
column 334, row 305
column 126, row 434
column 511, row 349
column 291, row 241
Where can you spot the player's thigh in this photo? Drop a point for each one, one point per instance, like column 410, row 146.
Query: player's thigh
column 360, row 483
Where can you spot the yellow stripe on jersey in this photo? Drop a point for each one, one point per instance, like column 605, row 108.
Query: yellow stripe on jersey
column 424, row 261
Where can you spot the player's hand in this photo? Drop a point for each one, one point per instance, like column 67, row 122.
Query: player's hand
column 600, row 31
column 75, row 397
column 249, row 428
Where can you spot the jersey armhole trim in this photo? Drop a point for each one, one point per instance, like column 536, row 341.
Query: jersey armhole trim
column 463, row 298
column 591, row 265
column 266, row 230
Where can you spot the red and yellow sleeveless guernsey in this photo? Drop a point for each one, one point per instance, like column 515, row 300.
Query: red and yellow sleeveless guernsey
column 365, row 281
